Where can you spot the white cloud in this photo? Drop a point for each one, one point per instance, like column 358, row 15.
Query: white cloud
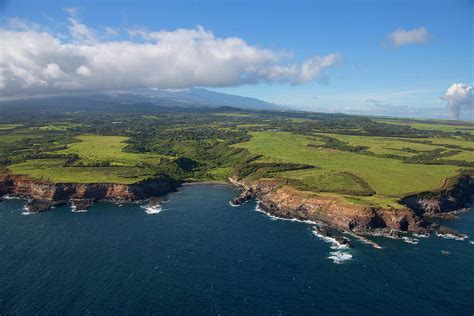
column 73, row 11
column 459, row 96
column 52, row 71
column 83, row 71
column 80, row 32
column 402, row 37
column 40, row 62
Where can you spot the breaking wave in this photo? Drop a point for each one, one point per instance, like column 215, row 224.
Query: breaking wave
column 75, row 210
column 339, row 257
column 451, row 236
column 274, row 218
column 150, row 210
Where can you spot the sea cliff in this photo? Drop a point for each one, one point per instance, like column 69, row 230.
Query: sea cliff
column 43, row 194
column 276, row 198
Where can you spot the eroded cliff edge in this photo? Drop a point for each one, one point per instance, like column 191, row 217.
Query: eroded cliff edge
column 277, row 198
column 42, row 194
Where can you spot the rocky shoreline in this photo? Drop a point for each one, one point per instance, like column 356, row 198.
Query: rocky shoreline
column 277, row 199
column 42, row 195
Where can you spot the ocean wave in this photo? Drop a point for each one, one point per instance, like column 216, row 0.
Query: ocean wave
column 421, row 235
column 274, row 218
column 339, row 257
column 364, row 240
column 26, row 211
column 75, row 210
column 409, row 240
column 8, row 197
column 150, row 210
column 471, row 242
column 233, row 205
column 335, row 245
column 451, row 236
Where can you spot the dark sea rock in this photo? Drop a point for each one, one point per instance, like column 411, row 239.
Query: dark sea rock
column 82, row 204
column 36, row 206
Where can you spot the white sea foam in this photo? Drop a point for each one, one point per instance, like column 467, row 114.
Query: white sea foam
column 471, row 242
column 274, row 218
column 409, row 240
column 233, row 205
column 421, row 235
column 451, row 236
column 334, row 243
column 365, row 240
column 150, row 210
column 26, row 212
column 75, row 210
column 339, row 257
column 8, row 197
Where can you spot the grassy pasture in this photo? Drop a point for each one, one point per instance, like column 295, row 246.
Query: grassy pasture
column 4, row 127
column 385, row 176
column 384, row 145
column 91, row 149
column 433, row 127
column 59, row 127
column 54, row 170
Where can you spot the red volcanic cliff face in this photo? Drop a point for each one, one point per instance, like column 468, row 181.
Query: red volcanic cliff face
column 56, row 193
column 286, row 202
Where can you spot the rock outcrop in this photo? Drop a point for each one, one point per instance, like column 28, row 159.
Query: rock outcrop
column 44, row 194
column 456, row 193
column 280, row 200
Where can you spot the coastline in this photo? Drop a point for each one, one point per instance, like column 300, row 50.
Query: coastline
column 273, row 197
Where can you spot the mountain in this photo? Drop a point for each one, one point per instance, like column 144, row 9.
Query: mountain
column 140, row 100
column 190, row 97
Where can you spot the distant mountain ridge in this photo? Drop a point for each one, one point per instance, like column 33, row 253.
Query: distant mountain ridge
column 151, row 98
column 191, row 96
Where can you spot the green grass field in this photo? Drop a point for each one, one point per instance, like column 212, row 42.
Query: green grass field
column 468, row 128
column 8, row 126
column 59, row 126
column 384, row 145
column 54, row 170
column 92, row 149
column 385, row 176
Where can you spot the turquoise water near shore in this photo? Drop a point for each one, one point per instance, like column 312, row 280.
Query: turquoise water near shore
column 199, row 255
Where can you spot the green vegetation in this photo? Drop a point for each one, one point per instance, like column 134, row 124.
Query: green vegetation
column 8, row 126
column 367, row 161
column 385, row 176
column 434, row 126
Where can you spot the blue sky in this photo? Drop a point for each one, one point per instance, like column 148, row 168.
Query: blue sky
column 371, row 76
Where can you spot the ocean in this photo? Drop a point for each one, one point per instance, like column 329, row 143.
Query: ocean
column 199, row 255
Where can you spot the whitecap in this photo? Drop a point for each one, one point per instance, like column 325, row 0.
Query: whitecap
column 150, row 210
column 334, row 243
column 339, row 257
column 75, row 210
column 409, row 240
column 451, row 236
column 364, row 240
column 274, row 218
column 421, row 235
column 9, row 197
column 233, row 205
column 471, row 242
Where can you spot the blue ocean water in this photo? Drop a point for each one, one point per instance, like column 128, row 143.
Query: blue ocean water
column 199, row 255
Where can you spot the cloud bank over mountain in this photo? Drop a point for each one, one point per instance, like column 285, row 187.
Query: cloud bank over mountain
column 36, row 60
